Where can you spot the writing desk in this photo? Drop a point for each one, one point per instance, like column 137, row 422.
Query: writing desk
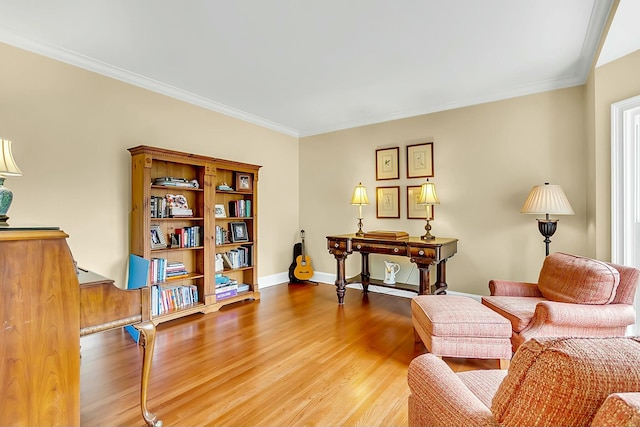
column 424, row 253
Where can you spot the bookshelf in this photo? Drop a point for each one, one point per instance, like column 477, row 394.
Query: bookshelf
column 173, row 225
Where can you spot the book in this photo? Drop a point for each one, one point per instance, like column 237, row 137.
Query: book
column 383, row 234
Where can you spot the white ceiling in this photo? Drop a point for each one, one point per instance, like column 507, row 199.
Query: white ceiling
column 306, row 67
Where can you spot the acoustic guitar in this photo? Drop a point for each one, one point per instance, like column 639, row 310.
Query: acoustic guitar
column 303, row 269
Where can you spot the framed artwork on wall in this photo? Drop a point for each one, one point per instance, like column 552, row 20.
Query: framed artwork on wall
column 420, row 160
column 388, row 202
column 387, row 163
column 414, row 210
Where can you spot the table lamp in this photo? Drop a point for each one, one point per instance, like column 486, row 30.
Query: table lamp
column 549, row 200
column 8, row 167
column 360, row 198
column 428, row 197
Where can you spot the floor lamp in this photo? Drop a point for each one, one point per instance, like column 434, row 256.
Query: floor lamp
column 549, row 200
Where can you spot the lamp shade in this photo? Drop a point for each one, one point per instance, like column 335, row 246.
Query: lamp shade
column 359, row 195
column 428, row 194
column 8, row 166
column 547, row 199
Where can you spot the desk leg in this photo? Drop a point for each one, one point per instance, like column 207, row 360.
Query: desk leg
column 148, row 333
column 441, row 278
column 424, row 265
column 364, row 273
column 341, row 282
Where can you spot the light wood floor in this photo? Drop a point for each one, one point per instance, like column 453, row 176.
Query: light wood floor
column 293, row 358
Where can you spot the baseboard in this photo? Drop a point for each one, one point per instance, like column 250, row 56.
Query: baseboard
column 329, row 278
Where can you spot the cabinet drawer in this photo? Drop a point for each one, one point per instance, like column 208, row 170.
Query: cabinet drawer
column 379, row 248
column 339, row 245
column 418, row 252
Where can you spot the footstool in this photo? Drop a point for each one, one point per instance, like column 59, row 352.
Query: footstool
column 456, row 326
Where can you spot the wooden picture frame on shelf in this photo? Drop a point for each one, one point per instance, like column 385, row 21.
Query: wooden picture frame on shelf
column 387, row 163
column 414, row 210
column 238, row 232
column 158, row 241
column 388, row 202
column 244, row 182
column 219, row 210
column 420, row 160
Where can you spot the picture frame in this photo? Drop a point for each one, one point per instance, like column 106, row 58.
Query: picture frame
column 220, row 211
column 420, row 160
column 244, row 182
column 387, row 163
column 158, row 240
column 388, row 202
column 414, row 210
column 238, row 232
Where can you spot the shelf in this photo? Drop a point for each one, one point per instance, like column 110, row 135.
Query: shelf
column 235, row 218
column 191, row 248
column 245, row 193
column 230, row 270
column 174, row 188
column 171, row 280
column 178, row 313
column 178, row 218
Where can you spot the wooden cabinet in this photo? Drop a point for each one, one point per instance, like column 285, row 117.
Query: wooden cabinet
column 40, row 336
column 187, row 242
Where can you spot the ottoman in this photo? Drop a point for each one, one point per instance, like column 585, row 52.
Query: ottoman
column 456, row 326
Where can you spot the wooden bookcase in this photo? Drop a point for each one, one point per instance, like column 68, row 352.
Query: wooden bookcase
column 194, row 290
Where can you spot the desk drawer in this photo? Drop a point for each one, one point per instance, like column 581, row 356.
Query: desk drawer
column 380, row 248
column 419, row 252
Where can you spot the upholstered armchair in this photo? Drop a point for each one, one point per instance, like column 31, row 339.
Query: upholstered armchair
column 574, row 296
column 551, row 382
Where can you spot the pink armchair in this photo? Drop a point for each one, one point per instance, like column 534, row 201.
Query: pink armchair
column 574, row 296
column 551, row 382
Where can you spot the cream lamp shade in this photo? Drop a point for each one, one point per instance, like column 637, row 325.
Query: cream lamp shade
column 8, row 167
column 428, row 197
column 359, row 198
column 547, row 199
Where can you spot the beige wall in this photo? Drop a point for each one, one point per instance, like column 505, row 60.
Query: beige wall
column 71, row 129
column 487, row 158
column 613, row 82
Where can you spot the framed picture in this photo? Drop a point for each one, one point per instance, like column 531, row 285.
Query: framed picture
column 414, row 210
column 244, row 182
column 239, row 232
column 158, row 241
column 420, row 160
column 388, row 202
column 387, row 163
column 220, row 211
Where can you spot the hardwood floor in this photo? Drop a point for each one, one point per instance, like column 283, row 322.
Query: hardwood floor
column 294, row 358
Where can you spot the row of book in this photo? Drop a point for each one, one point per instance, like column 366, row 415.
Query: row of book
column 238, row 257
column 240, row 208
column 169, row 206
column 222, row 235
column 186, row 237
column 161, row 269
column 227, row 287
column 170, row 298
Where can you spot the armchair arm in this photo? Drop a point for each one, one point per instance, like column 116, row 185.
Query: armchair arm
column 508, row 288
column 560, row 318
column 440, row 398
column 619, row 410
column 583, row 315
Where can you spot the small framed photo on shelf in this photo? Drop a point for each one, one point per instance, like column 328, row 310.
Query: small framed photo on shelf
column 414, row 210
column 158, row 241
column 387, row 163
column 420, row 160
column 239, row 232
column 388, row 202
column 244, row 181
column 220, row 212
